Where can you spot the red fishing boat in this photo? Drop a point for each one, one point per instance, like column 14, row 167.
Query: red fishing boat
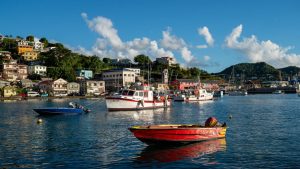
column 179, row 133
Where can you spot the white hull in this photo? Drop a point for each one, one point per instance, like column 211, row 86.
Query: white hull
column 115, row 104
column 200, row 98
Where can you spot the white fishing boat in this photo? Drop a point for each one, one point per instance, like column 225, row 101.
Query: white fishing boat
column 199, row 95
column 194, row 95
column 136, row 100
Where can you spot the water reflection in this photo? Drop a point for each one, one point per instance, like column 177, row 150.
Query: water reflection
column 139, row 115
column 190, row 151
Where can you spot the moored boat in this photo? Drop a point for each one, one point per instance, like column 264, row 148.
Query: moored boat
column 136, row 100
column 178, row 133
column 73, row 109
column 194, row 95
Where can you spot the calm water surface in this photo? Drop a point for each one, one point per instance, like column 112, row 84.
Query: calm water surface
column 263, row 133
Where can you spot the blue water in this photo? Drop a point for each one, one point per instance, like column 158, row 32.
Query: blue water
column 263, row 133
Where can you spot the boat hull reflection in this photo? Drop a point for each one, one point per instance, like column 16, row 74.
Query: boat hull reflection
column 194, row 150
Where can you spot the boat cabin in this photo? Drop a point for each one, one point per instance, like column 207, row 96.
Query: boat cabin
column 137, row 94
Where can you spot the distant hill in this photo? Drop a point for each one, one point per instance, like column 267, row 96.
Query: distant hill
column 260, row 70
column 290, row 70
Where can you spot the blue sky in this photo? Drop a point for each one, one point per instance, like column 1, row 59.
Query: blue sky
column 209, row 34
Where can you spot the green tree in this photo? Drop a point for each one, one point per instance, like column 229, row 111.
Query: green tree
column 142, row 59
column 30, row 38
column 45, row 41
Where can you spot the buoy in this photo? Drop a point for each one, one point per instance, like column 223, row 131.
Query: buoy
column 39, row 121
column 230, row 116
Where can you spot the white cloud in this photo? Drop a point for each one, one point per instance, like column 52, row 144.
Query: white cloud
column 186, row 54
column 207, row 35
column 174, row 43
column 104, row 27
column 109, row 44
column 258, row 51
column 202, row 46
column 171, row 42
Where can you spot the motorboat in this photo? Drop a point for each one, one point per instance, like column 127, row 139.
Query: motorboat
column 194, row 95
column 74, row 108
column 132, row 99
column 178, row 133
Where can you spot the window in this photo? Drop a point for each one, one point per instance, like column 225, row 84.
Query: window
column 124, row 74
column 130, row 93
column 141, row 94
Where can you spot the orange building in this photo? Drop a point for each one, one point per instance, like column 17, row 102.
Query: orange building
column 24, row 48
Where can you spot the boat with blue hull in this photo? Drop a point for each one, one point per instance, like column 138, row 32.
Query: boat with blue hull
column 73, row 108
column 59, row 110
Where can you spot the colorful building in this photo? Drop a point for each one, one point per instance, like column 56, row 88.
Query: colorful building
column 30, row 55
column 9, row 91
column 182, row 84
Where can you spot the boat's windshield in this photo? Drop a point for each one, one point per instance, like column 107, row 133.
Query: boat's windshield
column 127, row 92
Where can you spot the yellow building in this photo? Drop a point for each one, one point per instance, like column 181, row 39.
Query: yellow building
column 24, row 48
column 9, row 91
column 30, row 55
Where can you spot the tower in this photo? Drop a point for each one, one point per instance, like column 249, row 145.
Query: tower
column 165, row 75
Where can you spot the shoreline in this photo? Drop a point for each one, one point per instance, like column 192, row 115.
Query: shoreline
column 19, row 98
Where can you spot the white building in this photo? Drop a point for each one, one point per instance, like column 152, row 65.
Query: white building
column 137, row 71
column 37, row 69
column 37, row 45
column 24, row 43
column 118, row 78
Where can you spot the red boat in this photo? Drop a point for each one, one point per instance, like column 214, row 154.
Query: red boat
column 174, row 133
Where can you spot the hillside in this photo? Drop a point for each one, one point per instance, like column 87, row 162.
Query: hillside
column 290, row 70
column 260, row 70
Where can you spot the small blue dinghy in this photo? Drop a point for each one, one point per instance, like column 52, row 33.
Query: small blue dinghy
column 73, row 108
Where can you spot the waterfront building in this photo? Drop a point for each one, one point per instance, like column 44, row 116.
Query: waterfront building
column 166, row 60
column 59, row 87
column 73, row 88
column 27, row 83
column 210, row 85
column 182, row 84
column 54, row 88
column 9, row 91
column 87, row 74
column 37, row 69
column 30, row 55
column 92, row 87
column 118, row 78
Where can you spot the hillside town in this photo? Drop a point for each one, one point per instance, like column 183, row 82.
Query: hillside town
column 21, row 63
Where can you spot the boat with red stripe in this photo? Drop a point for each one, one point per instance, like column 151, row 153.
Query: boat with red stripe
column 129, row 99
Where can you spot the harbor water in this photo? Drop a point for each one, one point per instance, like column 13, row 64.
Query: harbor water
column 263, row 133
